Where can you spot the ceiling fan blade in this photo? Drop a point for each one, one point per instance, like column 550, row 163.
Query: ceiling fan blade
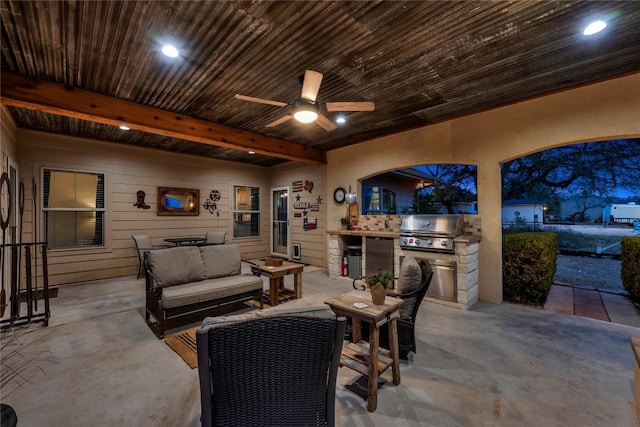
column 325, row 123
column 350, row 106
column 311, row 85
column 261, row 100
column 279, row 121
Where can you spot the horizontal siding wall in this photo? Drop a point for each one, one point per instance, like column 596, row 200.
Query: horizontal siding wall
column 129, row 170
column 312, row 241
column 8, row 149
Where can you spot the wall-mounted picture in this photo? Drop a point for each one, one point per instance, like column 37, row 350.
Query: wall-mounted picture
column 178, row 201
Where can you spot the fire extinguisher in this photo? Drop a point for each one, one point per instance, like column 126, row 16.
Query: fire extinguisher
column 344, row 267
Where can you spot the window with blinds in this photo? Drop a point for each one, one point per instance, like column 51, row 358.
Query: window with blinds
column 73, row 209
column 246, row 211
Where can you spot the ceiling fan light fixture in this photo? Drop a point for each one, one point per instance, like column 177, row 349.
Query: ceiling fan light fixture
column 307, row 108
column 305, row 115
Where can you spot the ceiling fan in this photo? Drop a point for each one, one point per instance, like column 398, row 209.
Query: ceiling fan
column 305, row 109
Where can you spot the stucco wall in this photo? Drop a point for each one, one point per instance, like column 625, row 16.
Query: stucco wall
column 602, row 111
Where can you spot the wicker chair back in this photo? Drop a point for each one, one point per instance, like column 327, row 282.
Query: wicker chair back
column 273, row 371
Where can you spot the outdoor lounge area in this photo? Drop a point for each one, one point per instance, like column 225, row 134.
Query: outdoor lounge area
column 99, row 364
column 130, row 126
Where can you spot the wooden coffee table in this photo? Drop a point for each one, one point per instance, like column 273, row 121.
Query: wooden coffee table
column 276, row 280
column 364, row 357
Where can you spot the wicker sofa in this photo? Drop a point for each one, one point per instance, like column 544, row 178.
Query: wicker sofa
column 187, row 283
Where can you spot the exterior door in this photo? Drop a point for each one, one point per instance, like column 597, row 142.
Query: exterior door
column 280, row 233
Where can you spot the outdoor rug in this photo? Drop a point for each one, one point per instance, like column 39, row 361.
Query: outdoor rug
column 184, row 343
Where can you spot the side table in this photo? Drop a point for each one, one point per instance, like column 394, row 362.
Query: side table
column 276, row 280
column 367, row 358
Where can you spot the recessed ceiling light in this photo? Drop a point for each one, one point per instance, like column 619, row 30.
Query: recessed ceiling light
column 252, row 152
column 341, row 120
column 594, row 27
column 170, row 50
column 125, row 127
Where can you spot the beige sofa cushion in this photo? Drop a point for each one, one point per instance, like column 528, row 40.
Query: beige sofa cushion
column 205, row 290
column 175, row 266
column 220, row 260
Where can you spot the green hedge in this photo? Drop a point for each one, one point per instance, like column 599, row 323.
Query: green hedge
column 528, row 266
column 630, row 265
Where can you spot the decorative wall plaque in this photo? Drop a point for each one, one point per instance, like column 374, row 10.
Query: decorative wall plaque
column 210, row 203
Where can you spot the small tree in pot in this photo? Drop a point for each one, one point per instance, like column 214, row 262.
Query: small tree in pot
column 378, row 284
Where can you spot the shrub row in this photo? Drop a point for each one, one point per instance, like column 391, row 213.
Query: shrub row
column 630, row 265
column 528, row 266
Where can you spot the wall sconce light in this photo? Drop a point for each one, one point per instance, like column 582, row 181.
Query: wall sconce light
column 350, row 197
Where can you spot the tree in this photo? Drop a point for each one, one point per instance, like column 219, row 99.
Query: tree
column 421, row 204
column 594, row 168
column 453, row 183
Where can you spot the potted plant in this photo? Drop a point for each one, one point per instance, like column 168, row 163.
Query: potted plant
column 344, row 221
column 378, row 284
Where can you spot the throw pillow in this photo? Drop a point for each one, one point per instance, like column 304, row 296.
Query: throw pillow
column 409, row 280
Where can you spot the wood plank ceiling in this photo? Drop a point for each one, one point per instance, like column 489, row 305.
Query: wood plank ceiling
column 420, row 62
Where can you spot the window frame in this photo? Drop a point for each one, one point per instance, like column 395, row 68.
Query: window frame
column 44, row 225
column 238, row 215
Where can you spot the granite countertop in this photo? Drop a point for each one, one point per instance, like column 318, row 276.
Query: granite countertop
column 468, row 238
column 365, row 233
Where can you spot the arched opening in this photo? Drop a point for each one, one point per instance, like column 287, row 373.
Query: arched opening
column 588, row 194
column 431, row 188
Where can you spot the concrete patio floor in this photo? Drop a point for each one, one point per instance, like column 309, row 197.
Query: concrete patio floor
column 99, row 364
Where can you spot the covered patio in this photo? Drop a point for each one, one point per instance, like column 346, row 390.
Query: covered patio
column 99, row 364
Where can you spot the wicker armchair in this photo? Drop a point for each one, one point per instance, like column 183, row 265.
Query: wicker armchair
column 413, row 283
column 269, row 370
column 407, row 321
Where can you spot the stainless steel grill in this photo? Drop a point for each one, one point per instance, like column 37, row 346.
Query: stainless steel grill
column 431, row 237
column 432, row 233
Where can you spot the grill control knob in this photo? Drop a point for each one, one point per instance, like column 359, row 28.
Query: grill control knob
column 404, row 241
column 444, row 243
column 429, row 242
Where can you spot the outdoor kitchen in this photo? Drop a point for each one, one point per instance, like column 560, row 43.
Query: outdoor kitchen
column 449, row 242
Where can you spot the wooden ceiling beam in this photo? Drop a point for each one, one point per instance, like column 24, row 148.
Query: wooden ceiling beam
column 22, row 91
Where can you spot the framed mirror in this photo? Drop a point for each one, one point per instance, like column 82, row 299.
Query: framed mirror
column 178, row 201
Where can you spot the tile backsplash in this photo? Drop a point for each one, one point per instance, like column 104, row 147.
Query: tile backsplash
column 384, row 222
